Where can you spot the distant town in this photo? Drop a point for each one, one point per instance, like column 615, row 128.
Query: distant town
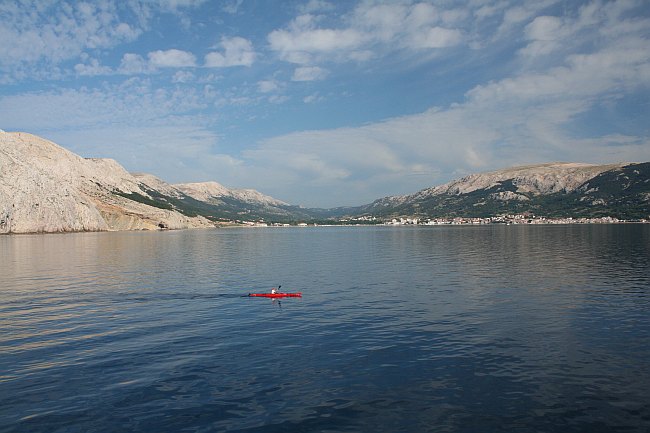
column 501, row 219
column 507, row 219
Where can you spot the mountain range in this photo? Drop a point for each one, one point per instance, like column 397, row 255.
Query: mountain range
column 46, row 188
column 554, row 190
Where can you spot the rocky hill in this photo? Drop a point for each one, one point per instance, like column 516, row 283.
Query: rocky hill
column 46, row 188
column 241, row 203
column 213, row 192
column 219, row 203
column 554, row 190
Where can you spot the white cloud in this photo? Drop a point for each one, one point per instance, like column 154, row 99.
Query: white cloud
column 438, row 37
column 133, row 102
column 174, row 5
column 183, row 77
column 237, row 51
column 278, row 99
column 405, row 154
column 313, row 6
column 232, row 6
column 454, row 16
column 520, row 119
column 314, row 97
column 487, row 9
column 572, row 60
column 370, row 30
column 383, row 22
column 522, row 13
column 39, row 38
column 267, row 86
column 303, row 39
column 146, row 128
column 171, row 59
column 176, row 152
column 134, row 64
column 546, row 35
column 375, row 156
column 42, row 32
column 308, row 73
column 92, row 68
column 552, row 35
column 544, row 28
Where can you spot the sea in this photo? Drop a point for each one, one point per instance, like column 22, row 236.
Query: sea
column 399, row 329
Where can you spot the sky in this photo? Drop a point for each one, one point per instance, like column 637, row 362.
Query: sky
column 329, row 103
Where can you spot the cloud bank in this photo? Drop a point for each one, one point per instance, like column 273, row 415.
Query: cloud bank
column 333, row 103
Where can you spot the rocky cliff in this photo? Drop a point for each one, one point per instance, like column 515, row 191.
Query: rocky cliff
column 530, row 179
column 213, row 192
column 46, row 188
column 555, row 189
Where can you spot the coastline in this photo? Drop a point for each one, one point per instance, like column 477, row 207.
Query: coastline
column 472, row 222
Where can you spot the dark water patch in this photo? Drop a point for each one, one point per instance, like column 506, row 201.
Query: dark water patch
column 450, row 329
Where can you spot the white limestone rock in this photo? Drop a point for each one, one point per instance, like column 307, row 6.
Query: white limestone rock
column 155, row 183
column 531, row 179
column 46, row 188
column 212, row 192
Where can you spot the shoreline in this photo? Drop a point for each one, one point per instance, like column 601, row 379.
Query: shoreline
column 466, row 222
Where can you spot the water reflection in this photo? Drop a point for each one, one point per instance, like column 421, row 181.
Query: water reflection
column 401, row 329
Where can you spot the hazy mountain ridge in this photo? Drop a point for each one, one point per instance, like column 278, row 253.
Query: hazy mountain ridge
column 531, row 179
column 46, row 188
column 213, row 192
column 554, row 189
column 218, row 203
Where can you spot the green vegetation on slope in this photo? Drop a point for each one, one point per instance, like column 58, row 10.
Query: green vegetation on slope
column 622, row 193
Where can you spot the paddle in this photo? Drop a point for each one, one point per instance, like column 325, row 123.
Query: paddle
column 278, row 291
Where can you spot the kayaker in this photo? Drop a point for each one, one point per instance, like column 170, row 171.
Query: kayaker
column 274, row 291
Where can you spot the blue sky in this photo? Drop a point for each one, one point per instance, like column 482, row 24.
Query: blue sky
column 329, row 103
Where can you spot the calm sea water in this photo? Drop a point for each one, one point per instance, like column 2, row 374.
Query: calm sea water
column 441, row 329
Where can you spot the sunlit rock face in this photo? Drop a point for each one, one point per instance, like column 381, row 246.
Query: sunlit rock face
column 531, row 179
column 214, row 192
column 46, row 188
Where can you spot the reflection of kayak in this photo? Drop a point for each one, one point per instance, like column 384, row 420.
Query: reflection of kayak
column 277, row 295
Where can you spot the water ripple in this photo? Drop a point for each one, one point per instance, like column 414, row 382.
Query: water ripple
column 454, row 329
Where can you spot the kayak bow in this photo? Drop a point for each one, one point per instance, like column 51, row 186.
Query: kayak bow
column 276, row 295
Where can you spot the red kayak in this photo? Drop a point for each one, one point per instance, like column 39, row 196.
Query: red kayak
column 277, row 295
